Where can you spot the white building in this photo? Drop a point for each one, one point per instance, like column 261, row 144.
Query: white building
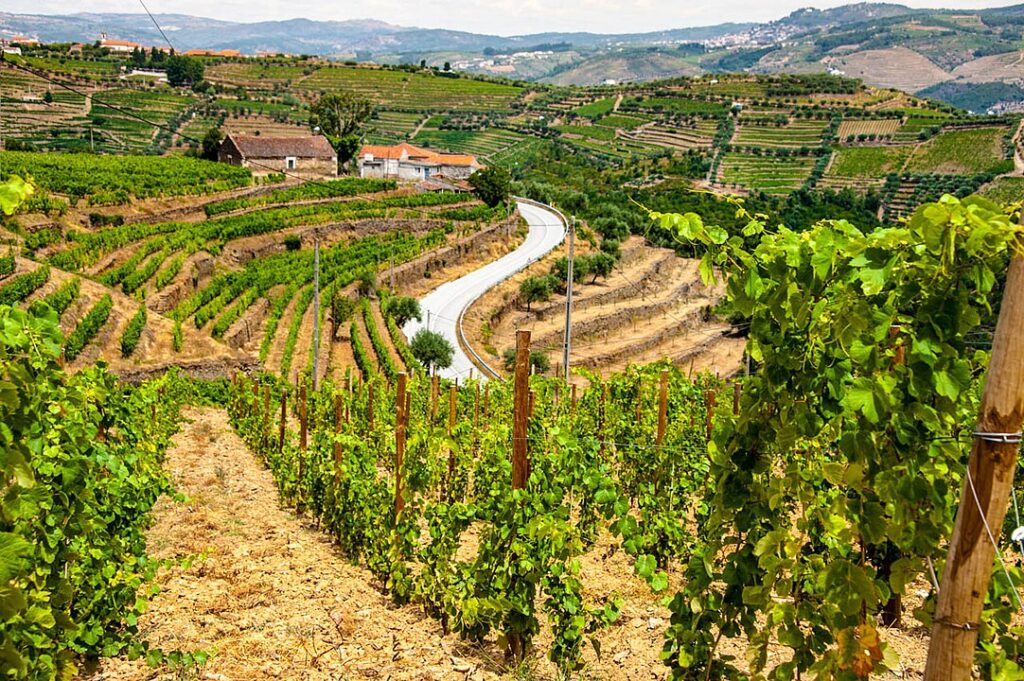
column 406, row 162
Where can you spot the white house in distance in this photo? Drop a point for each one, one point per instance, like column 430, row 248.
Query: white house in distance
column 406, row 162
column 123, row 46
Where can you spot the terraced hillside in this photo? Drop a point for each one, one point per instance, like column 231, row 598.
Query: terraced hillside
column 228, row 279
column 651, row 307
column 751, row 134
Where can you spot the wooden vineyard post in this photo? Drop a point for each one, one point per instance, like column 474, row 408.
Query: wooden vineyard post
column 520, row 411
column 369, row 407
column 266, row 415
column 737, row 391
column 452, row 395
column 662, row 407
column 986, row 494
column 601, row 415
column 337, row 445
column 476, row 409
column 284, row 420
column 574, row 400
column 302, row 418
column 711, row 398
column 400, row 407
column 435, row 388
column 487, row 401
column 302, row 434
column 638, row 408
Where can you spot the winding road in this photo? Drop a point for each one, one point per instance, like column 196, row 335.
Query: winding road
column 444, row 306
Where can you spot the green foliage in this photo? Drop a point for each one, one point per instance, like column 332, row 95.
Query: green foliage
column 116, row 179
column 599, row 264
column 432, row 350
column 182, row 70
column 61, row 299
column 133, row 332
column 342, row 307
column 528, row 541
column 22, row 286
column 211, row 144
column 537, row 289
column 348, row 186
column 403, row 309
column 841, row 479
column 87, row 327
column 363, row 362
column 80, row 462
column 13, row 192
column 7, row 264
column 412, row 364
column 380, row 348
column 491, row 184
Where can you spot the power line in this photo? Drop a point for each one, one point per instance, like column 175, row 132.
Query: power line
column 155, row 23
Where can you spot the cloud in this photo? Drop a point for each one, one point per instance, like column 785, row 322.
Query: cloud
column 504, row 17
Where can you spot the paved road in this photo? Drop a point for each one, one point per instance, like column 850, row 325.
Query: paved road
column 448, row 302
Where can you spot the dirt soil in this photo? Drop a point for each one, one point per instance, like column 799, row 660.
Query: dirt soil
column 273, row 598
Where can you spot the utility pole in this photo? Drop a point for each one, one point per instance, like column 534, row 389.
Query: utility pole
column 316, row 312
column 985, row 497
column 567, row 346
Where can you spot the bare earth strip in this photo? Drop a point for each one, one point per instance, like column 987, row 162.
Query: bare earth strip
column 274, row 598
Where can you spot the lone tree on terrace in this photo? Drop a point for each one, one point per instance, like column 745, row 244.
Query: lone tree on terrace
column 340, row 115
column 403, row 308
column 491, row 184
column 432, row 350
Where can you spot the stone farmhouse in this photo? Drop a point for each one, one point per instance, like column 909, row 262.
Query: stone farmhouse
column 310, row 157
column 406, row 162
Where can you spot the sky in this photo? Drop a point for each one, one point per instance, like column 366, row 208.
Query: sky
column 501, row 17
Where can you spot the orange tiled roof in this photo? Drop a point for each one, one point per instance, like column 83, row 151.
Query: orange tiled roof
column 417, row 154
column 119, row 43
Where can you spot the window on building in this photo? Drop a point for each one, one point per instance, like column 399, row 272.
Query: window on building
column 289, row 163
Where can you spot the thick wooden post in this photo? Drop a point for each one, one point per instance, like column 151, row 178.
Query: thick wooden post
column 987, row 486
column 400, row 415
column 284, row 420
column 662, row 407
column 520, row 411
column 435, row 388
column 711, row 397
column 266, row 414
column 303, row 425
column 452, row 395
column 574, row 399
column 639, row 397
column 337, row 445
column 476, row 409
column 487, row 401
column 737, row 391
column 369, row 407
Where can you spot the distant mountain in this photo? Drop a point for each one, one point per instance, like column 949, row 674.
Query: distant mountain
column 949, row 54
column 314, row 37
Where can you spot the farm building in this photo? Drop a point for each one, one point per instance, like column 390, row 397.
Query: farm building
column 124, row 46
column 406, row 162
column 311, row 157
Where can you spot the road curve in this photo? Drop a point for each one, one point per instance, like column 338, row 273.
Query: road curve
column 447, row 303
